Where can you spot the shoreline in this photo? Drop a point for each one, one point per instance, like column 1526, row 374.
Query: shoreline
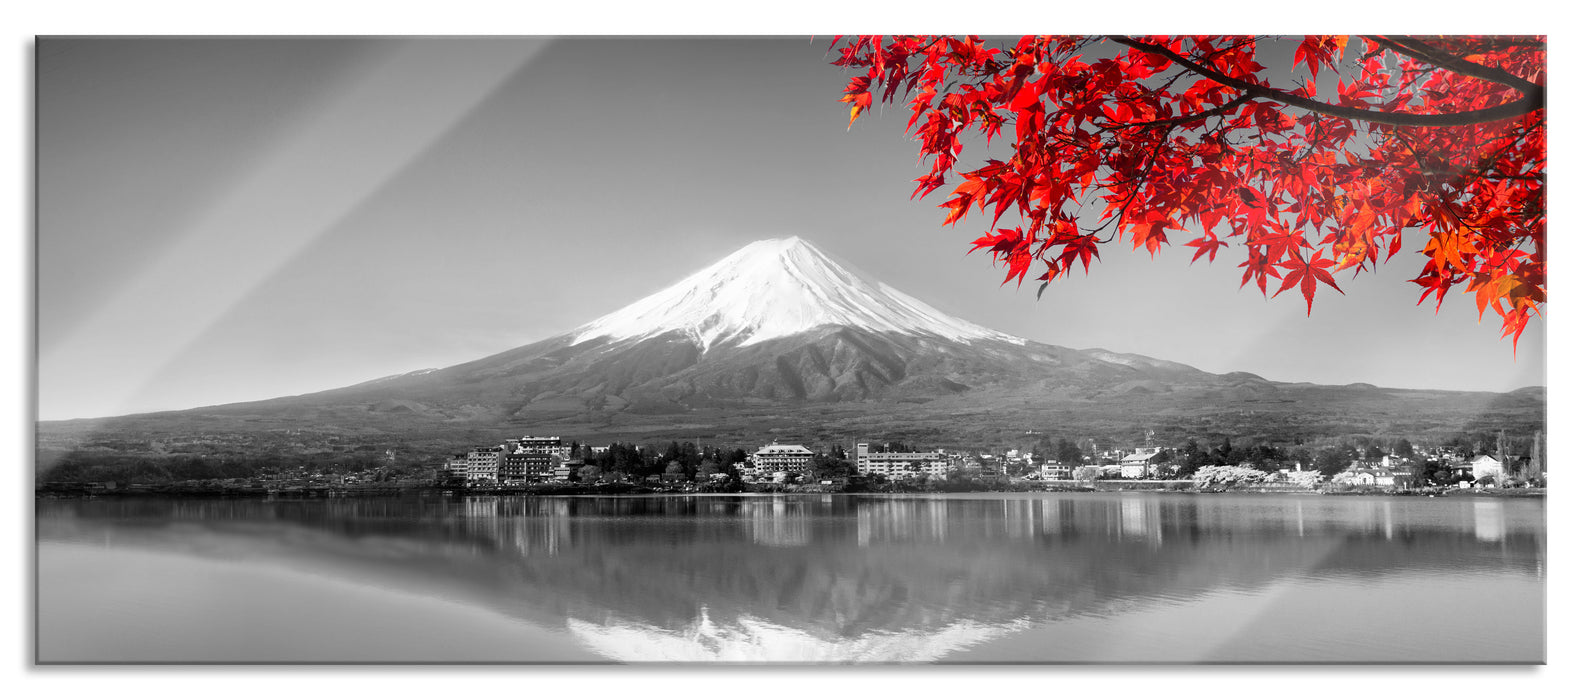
column 308, row 494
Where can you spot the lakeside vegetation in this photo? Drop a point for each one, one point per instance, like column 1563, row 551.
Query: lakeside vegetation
column 245, row 489
column 628, row 465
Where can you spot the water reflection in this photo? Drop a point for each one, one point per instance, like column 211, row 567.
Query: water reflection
column 777, row 524
column 826, row 578
column 1489, row 520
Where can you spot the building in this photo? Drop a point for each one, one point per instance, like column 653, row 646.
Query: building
column 785, row 458
column 483, row 465
column 895, row 465
column 1406, row 477
column 551, row 445
column 456, row 468
column 1089, row 472
column 970, row 466
column 750, row 474
column 1484, row 465
column 1360, row 475
column 528, row 468
column 1456, row 472
column 1135, row 465
column 1053, row 471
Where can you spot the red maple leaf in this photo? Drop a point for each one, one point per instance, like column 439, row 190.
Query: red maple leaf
column 1447, row 135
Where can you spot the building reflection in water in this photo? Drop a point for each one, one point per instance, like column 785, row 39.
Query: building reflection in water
column 501, row 524
column 937, row 520
column 777, row 523
column 552, row 524
column 872, row 578
column 1140, row 519
column 1488, row 520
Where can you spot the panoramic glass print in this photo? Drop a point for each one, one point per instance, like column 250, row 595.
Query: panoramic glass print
column 653, row 349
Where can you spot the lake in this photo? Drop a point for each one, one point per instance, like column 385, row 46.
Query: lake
column 960, row 578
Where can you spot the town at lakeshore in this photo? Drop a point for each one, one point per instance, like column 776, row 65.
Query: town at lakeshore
column 554, row 465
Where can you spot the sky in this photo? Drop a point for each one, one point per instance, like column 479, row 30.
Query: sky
column 222, row 220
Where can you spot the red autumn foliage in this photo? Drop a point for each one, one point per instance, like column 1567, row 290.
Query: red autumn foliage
column 1192, row 137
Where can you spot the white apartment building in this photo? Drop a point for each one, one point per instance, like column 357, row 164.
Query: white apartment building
column 786, row 458
column 551, row 445
column 893, row 465
column 1054, row 471
column 483, row 464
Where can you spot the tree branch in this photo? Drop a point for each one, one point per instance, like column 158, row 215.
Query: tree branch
column 1408, row 46
column 1531, row 101
column 1137, row 186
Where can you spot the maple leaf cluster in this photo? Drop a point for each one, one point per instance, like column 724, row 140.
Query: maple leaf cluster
column 1190, row 137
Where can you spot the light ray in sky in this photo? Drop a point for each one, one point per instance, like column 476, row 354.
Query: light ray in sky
column 361, row 139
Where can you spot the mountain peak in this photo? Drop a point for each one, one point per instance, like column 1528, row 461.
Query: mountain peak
column 774, row 288
column 772, row 248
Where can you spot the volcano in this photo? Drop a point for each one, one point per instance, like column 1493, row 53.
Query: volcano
column 776, row 289
column 778, row 322
column 779, row 338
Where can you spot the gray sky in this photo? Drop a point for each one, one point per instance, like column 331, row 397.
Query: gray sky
column 225, row 220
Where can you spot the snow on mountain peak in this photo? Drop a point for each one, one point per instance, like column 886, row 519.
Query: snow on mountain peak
column 759, row 641
column 775, row 288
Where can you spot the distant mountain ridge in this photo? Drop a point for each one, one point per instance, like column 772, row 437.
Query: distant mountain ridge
column 779, row 337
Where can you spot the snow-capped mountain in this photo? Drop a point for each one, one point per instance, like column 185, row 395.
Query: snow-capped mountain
column 751, row 640
column 779, row 336
column 774, row 289
column 777, row 322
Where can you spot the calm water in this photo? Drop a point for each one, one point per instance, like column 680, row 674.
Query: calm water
column 955, row 579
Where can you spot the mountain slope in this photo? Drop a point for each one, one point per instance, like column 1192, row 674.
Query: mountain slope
column 775, row 322
column 779, row 337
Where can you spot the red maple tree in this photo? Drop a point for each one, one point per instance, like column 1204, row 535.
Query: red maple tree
column 1190, row 136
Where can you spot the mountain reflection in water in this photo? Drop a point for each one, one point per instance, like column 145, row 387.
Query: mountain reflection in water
column 899, row 579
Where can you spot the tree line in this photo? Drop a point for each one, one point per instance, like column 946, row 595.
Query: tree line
column 690, row 460
column 686, row 459
column 142, row 469
column 1328, row 456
